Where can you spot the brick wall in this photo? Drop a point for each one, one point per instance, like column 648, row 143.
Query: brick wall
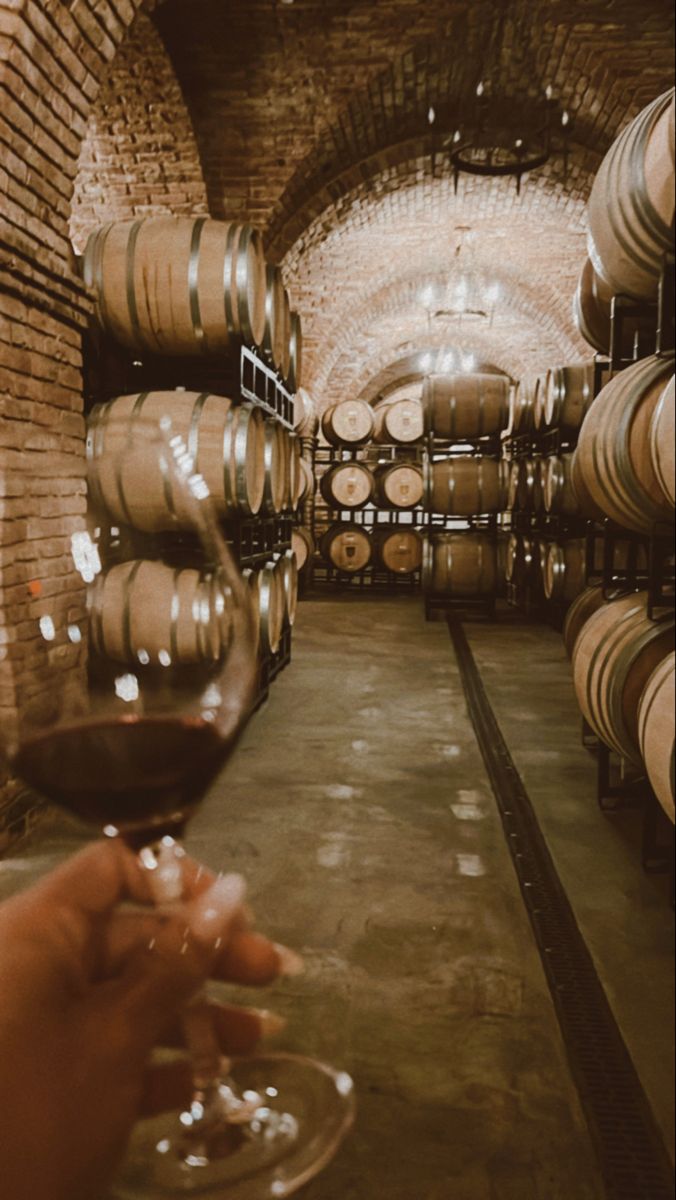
column 52, row 59
column 139, row 154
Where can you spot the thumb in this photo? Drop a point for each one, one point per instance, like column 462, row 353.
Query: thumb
column 165, row 972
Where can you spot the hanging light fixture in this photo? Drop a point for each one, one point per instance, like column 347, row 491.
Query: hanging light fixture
column 503, row 136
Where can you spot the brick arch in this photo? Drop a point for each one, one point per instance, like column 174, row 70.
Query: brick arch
column 404, row 377
column 139, row 156
column 403, row 299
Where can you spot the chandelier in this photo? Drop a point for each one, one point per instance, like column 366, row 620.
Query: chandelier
column 507, row 136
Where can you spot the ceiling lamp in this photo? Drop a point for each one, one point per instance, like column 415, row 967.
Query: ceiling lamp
column 503, row 136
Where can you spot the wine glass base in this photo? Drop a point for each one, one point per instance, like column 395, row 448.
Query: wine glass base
column 307, row 1109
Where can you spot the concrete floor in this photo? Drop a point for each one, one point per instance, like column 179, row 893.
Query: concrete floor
column 358, row 807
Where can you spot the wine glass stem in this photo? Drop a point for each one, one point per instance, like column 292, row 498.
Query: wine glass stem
column 216, row 1101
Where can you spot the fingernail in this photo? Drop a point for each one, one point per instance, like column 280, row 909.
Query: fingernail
column 216, row 907
column 270, row 1022
column 290, row 963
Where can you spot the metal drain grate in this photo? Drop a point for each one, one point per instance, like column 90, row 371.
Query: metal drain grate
column 631, row 1154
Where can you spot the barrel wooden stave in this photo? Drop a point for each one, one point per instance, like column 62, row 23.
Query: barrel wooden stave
column 558, row 493
column 276, row 487
column 177, row 285
column 656, row 721
column 305, row 419
column 275, row 328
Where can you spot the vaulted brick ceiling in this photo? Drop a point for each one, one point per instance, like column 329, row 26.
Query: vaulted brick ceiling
column 312, row 121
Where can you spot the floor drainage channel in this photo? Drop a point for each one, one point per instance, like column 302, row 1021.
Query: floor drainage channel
column 632, row 1158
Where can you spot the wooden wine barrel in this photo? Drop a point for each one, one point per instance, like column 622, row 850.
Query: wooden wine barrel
column 558, row 493
column 520, row 561
column 663, row 442
column 305, row 419
column 400, row 422
column 295, row 352
column 521, row 399
column 588, row 508
column 614, row 656
column 398, row 485
column 459, row 565
column 276, row 486
column 347, row 485
column 465, row 406
column 349, row 423
column 225, row 442
column 252, row 581
column 656, row 721
column 631, row 206
column 287, row 569
column 177, row 285
column 145, row 612
column 565, row 568
column 568, row 393
column 513, row 478
column 346, row 547
column 582, row 608
column 271, row 604
column 275, row 328
column 464, row 485
column 397, row 548
column 591, row 310
column 613, row 448
column 302, row 544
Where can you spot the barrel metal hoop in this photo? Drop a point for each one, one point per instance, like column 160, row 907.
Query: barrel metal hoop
column 241, row 445
column 194, row 430
column 480, row 484
column 97, row 271
column 623, row 664
column 661, row 673
column 600, row 647
column 228, row 496
column 645, row 508
column 227, row 280
column 242, row 281
column 95, row 433
column 130, row 282
column 193, row 283
column 126, row 609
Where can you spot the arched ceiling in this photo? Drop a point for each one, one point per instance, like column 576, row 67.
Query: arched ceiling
column 312, row 122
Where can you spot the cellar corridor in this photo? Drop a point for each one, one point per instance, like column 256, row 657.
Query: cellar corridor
column 359, row 809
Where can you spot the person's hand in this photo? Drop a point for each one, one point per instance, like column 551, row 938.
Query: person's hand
column 87, row 989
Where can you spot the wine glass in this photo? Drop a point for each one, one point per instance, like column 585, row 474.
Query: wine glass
column 144, row 673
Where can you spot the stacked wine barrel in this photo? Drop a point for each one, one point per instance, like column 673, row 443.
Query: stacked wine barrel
column 370, row 491
column 545, row 558
column 465, row 486
column 196, row 290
